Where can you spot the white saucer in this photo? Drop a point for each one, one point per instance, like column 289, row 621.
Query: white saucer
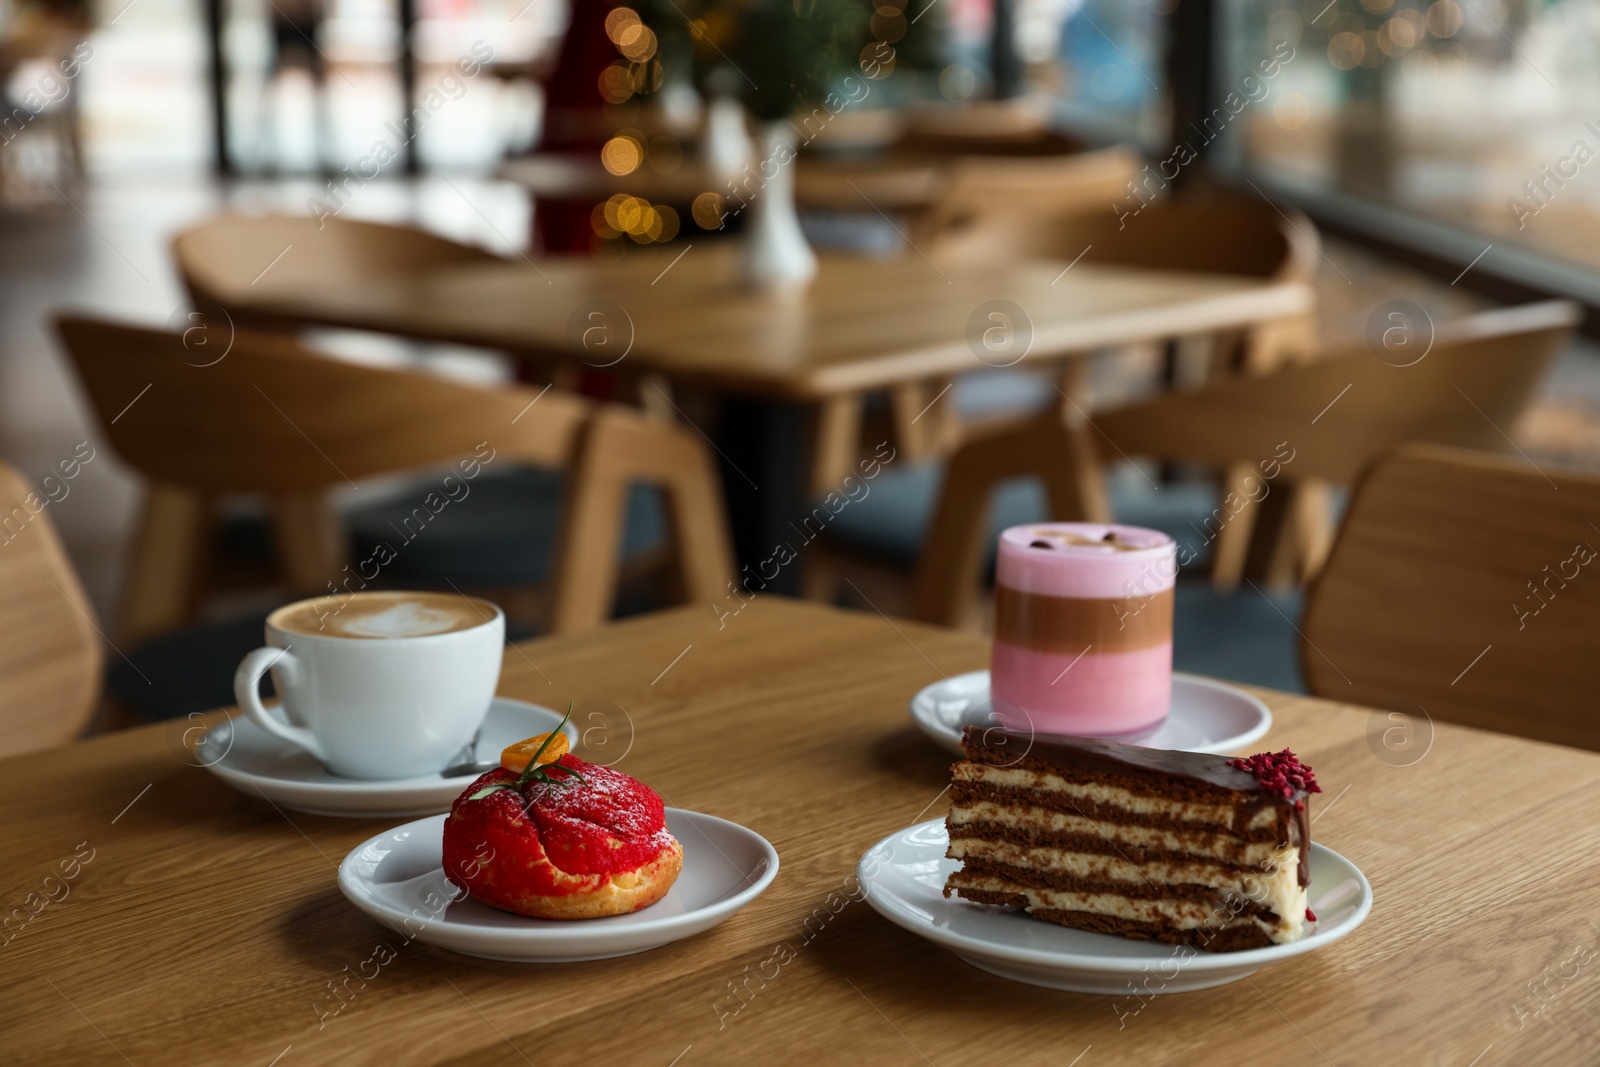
column 397, row 879
column 1206, row 715
column 258, row 764
column 904, row 874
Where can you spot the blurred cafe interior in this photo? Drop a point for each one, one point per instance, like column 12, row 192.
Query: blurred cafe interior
column 621, row 314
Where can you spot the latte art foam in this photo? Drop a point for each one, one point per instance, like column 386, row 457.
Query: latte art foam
column 382, row 616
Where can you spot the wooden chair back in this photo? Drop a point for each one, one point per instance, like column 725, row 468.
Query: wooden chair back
column 1012, row 127
column 51, row 659
column 276, row 419
column 1338, row 412
column 1325, row 420
column 991, row 205
column 228, row 254
column 1213, row 233
column 1460, row 589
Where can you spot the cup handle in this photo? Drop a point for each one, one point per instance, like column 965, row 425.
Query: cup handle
column 246, row 683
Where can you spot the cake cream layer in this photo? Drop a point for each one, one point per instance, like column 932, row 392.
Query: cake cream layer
column 1041, row 826
column 1045, row 789
column 1188, row 920
column 1273, row 886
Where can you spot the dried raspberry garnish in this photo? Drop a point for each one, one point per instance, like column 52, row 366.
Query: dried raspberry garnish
column 1281, row 773
column 1311, row 916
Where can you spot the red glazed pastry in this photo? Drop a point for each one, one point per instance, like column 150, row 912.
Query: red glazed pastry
column 565, row 839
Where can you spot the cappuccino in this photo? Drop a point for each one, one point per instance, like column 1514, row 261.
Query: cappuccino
column 383, row 616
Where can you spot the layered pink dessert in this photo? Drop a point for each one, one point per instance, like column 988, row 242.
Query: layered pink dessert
column 1083, row 629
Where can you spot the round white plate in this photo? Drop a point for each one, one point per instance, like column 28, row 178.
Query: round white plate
column 904, row 874
column 258, row 764
column 397, row 878
column 1206, row 716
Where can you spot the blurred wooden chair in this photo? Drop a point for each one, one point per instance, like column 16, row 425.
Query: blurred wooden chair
column 51, row 659
column 1458, row 590
column 1219, row 233
column 991, row 206
column 226, row 255
column 987, row 200
column 1018, row 126
column 1324, row 420
column 274, row 420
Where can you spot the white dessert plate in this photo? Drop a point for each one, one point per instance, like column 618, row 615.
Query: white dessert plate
column 904, row 874
column 397, row 878
column 1206, row 715
column 260, row 765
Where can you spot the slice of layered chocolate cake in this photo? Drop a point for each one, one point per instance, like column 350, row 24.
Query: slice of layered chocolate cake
column 1184, row 847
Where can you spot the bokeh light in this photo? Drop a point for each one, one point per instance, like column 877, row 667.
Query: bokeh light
column 665, row 155
column 1346, row 50
column 616, row 84
column 1444, row 18
column 707, row 211
column 957, row 83
column 621, row 155
column 1291, row 111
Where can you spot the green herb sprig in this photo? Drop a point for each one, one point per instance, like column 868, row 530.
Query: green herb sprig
column 536, row 771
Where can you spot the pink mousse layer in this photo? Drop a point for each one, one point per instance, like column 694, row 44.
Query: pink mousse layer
column 1067, row 569
column 1103, row 694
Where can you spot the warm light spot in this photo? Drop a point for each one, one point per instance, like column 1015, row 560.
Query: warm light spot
column 1291, row 111
column 957, row 83
column 616, row 84
column 601, row 224
column 669, row 222
column 633, row 215
column 1345, row 50
column 1377, row 7
column 621, row 155
column 665, row 155
column 651, row 230
column 707, row 211
column 1444, row 18
column 1397, row 37
column 876, row 59
column 637, row 42
column 889, row 28
column 613, row 210
column 619, row 21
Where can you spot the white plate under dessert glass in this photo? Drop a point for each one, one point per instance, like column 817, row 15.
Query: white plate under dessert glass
column 261, row 765
column 1205, row 716
column 398, row 878
column 903, row 877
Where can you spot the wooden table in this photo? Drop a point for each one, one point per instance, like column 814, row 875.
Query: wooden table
column 780, row 362
column 863, row 324
column 207, row 925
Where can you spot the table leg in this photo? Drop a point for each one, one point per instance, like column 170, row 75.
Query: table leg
column 1083, row 497
column 835, row 441
column 761, row 446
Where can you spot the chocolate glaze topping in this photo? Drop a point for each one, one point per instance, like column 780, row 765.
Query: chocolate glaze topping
column 1197, row 769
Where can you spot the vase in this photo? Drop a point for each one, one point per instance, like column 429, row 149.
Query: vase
column 727, row 146
column 776, row 255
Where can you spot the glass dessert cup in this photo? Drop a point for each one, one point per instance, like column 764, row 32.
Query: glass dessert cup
column 1083, row 629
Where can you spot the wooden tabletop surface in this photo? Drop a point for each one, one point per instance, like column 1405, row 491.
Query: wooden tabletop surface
column 204, row 926
column 863, row 324
column 868, row 185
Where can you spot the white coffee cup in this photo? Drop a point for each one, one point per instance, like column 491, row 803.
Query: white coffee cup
column 377, row 685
